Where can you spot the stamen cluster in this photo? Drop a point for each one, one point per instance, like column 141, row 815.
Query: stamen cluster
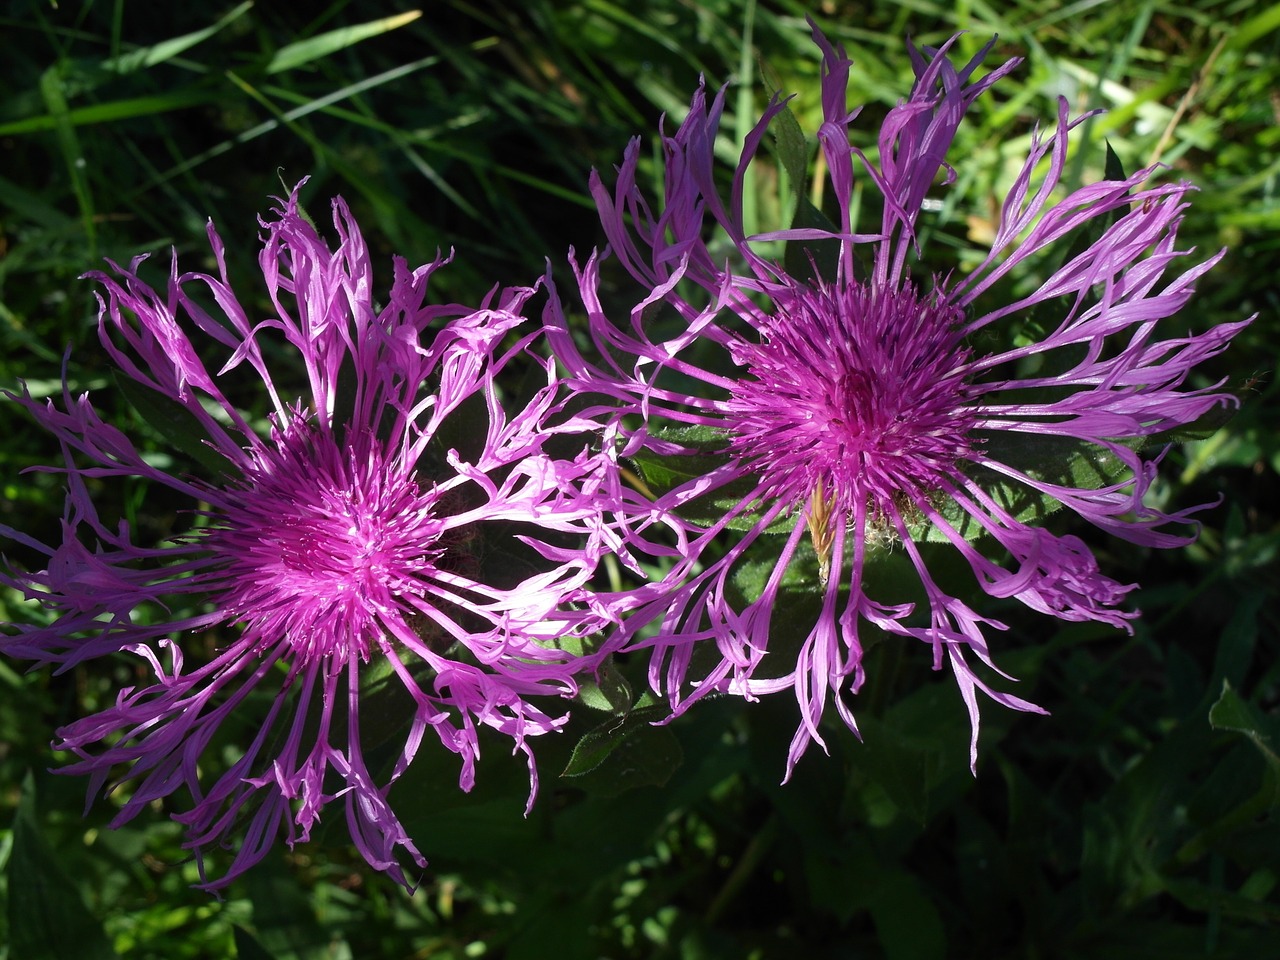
column 853, row 394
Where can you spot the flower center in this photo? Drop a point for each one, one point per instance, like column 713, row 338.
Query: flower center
column 853, row 397
column 322, row 539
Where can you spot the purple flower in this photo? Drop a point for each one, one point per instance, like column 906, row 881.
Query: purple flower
column 857, row 404
column 320, row 548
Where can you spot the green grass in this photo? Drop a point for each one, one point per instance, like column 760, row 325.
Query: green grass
column 1138, row 820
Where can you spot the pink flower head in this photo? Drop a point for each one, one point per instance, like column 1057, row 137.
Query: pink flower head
column 856, row 404
column 339, row 539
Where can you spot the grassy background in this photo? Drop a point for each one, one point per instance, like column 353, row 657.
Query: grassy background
column 1139, row 820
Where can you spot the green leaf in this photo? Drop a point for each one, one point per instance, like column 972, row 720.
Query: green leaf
column 792, row 148
column 907, row 922
column 284, row 919
column 1233, row 712
column 386, row 707
column 48, row 919
column 648, row 756
column 1059, row 460
column 560, row 926
column 1206, row 898
column 157, row 53
column 317, row 48
column 53, row 92
column 25, row 202
column 813, row 259
column 248, row 948
column 175, row 423
column 1047, row 314
column 109, row 111
column 799, row 581
column 708, row 451
column 914, row 760
column 1112, row 168
column 1255, row 28
column 463, row 429
column 1239, row 637
column 609, row 691
column 625, row 753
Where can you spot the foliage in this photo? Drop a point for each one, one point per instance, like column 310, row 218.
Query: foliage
column 1140, row 819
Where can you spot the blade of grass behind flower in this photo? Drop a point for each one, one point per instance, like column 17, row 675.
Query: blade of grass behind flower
column 1112, row 69
column 55, row 100
column 1268, row 21
column 326, row 44
column 150, row 56
column 285, row 118
column 388, row 209
column 744, row 119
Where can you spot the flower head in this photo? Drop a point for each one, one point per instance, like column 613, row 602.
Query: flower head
column 852, row 400
column 337, row 539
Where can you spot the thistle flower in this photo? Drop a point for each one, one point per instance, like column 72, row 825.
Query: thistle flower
column 852, row 399
column 342, row 541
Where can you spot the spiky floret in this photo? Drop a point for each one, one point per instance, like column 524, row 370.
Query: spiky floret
column 320, row 547
column 862, row 410
column 851, row 397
